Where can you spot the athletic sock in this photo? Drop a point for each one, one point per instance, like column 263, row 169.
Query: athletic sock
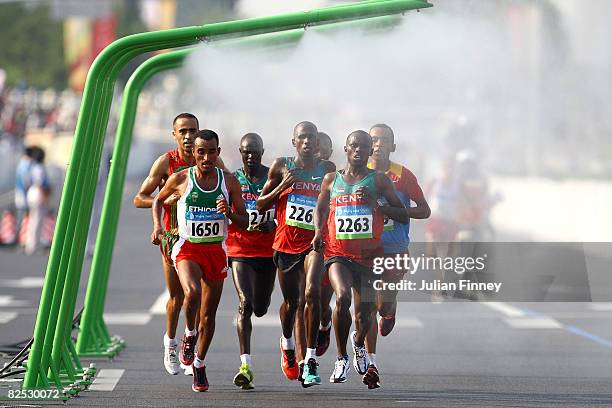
column 310, row 353
column 168, row 342
column 191, row 332
column 197, row 363
column 325, row 328
column 288, row 343
column 245, row 359
column 372, row 358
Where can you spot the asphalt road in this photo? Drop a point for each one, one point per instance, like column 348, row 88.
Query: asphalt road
column 448, row 354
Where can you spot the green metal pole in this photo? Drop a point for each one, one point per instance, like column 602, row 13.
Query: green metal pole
column 94, row 298
column 177, row 38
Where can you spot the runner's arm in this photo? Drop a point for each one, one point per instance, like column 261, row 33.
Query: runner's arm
column 159, row 170
column 415, row 193
column 279, row 179
column 171, row 187
column 322, row 212
column 395, row 210
column 239, row 216
column 421, row 211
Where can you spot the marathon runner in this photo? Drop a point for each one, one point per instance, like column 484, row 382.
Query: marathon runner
column 294, row 184
column 199, row 257
column 184, row 127
column 250, row 253
column 395, row 236
column 348, row 208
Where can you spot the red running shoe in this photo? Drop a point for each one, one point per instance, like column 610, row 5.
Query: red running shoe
column 187, row 353
column 385, row 325
column 371, row 378
column 200, row 382
column 323, row 341
column 288, row 364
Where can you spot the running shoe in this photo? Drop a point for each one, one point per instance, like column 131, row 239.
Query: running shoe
column 188, row 370
column 301, row 376
column 385, row 325
column 310, row 375
column 341, row 367
column 187, row 354
column 171, row 361
column 323, row 341
column 371, row 378
column 288, row 363
column 360, row 358
column 200, row 382
column 244, row 378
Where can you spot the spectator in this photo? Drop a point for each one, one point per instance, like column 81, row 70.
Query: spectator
column 36, row 197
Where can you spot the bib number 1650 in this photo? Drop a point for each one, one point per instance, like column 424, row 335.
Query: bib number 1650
column 202, row 229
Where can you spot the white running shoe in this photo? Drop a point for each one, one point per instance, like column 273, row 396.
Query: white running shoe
column 188, row 369
column 341, row 367
column 171, row 361
column 360, row 358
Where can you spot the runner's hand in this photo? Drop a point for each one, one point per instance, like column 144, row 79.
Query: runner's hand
column 223, row 207
column 364, row 195
column 289, row 178
column 317, row 242
column 172, row 199
column 156, row 236
column 267, row 226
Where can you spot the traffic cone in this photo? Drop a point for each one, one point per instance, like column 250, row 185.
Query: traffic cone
column 47, row 230
column 23, row 231
column 8, row 229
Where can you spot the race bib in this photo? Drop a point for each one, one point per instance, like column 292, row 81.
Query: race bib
column 353, row 222
column 205, row 226
column 300, row 211
column 255, row 217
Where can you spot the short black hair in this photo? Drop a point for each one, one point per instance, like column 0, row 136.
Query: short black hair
column 38, row 154
column 206, row 134
column 305, row 124
column 358, row 133
column 323, row 135
column 252, row 136
column 185, row 115
column 386, row 127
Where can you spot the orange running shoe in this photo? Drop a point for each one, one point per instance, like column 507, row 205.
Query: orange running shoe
column 288, row 364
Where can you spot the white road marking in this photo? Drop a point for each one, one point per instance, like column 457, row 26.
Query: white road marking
column 6, row 317
column 533, row 322
column 131, row 319
column 600, row 306
column 159, row 307
column 27, row 282
column 7, row 301
column 508, row 310
column 106, row 380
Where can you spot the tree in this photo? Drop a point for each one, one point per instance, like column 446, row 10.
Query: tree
column 32, row 46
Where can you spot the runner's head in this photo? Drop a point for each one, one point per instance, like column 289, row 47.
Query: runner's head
column 251, row 149
column 305, row 139
column 206, row 149
column 325, row 146
column 358, row 148
column 184, row 127
column 383, row 141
